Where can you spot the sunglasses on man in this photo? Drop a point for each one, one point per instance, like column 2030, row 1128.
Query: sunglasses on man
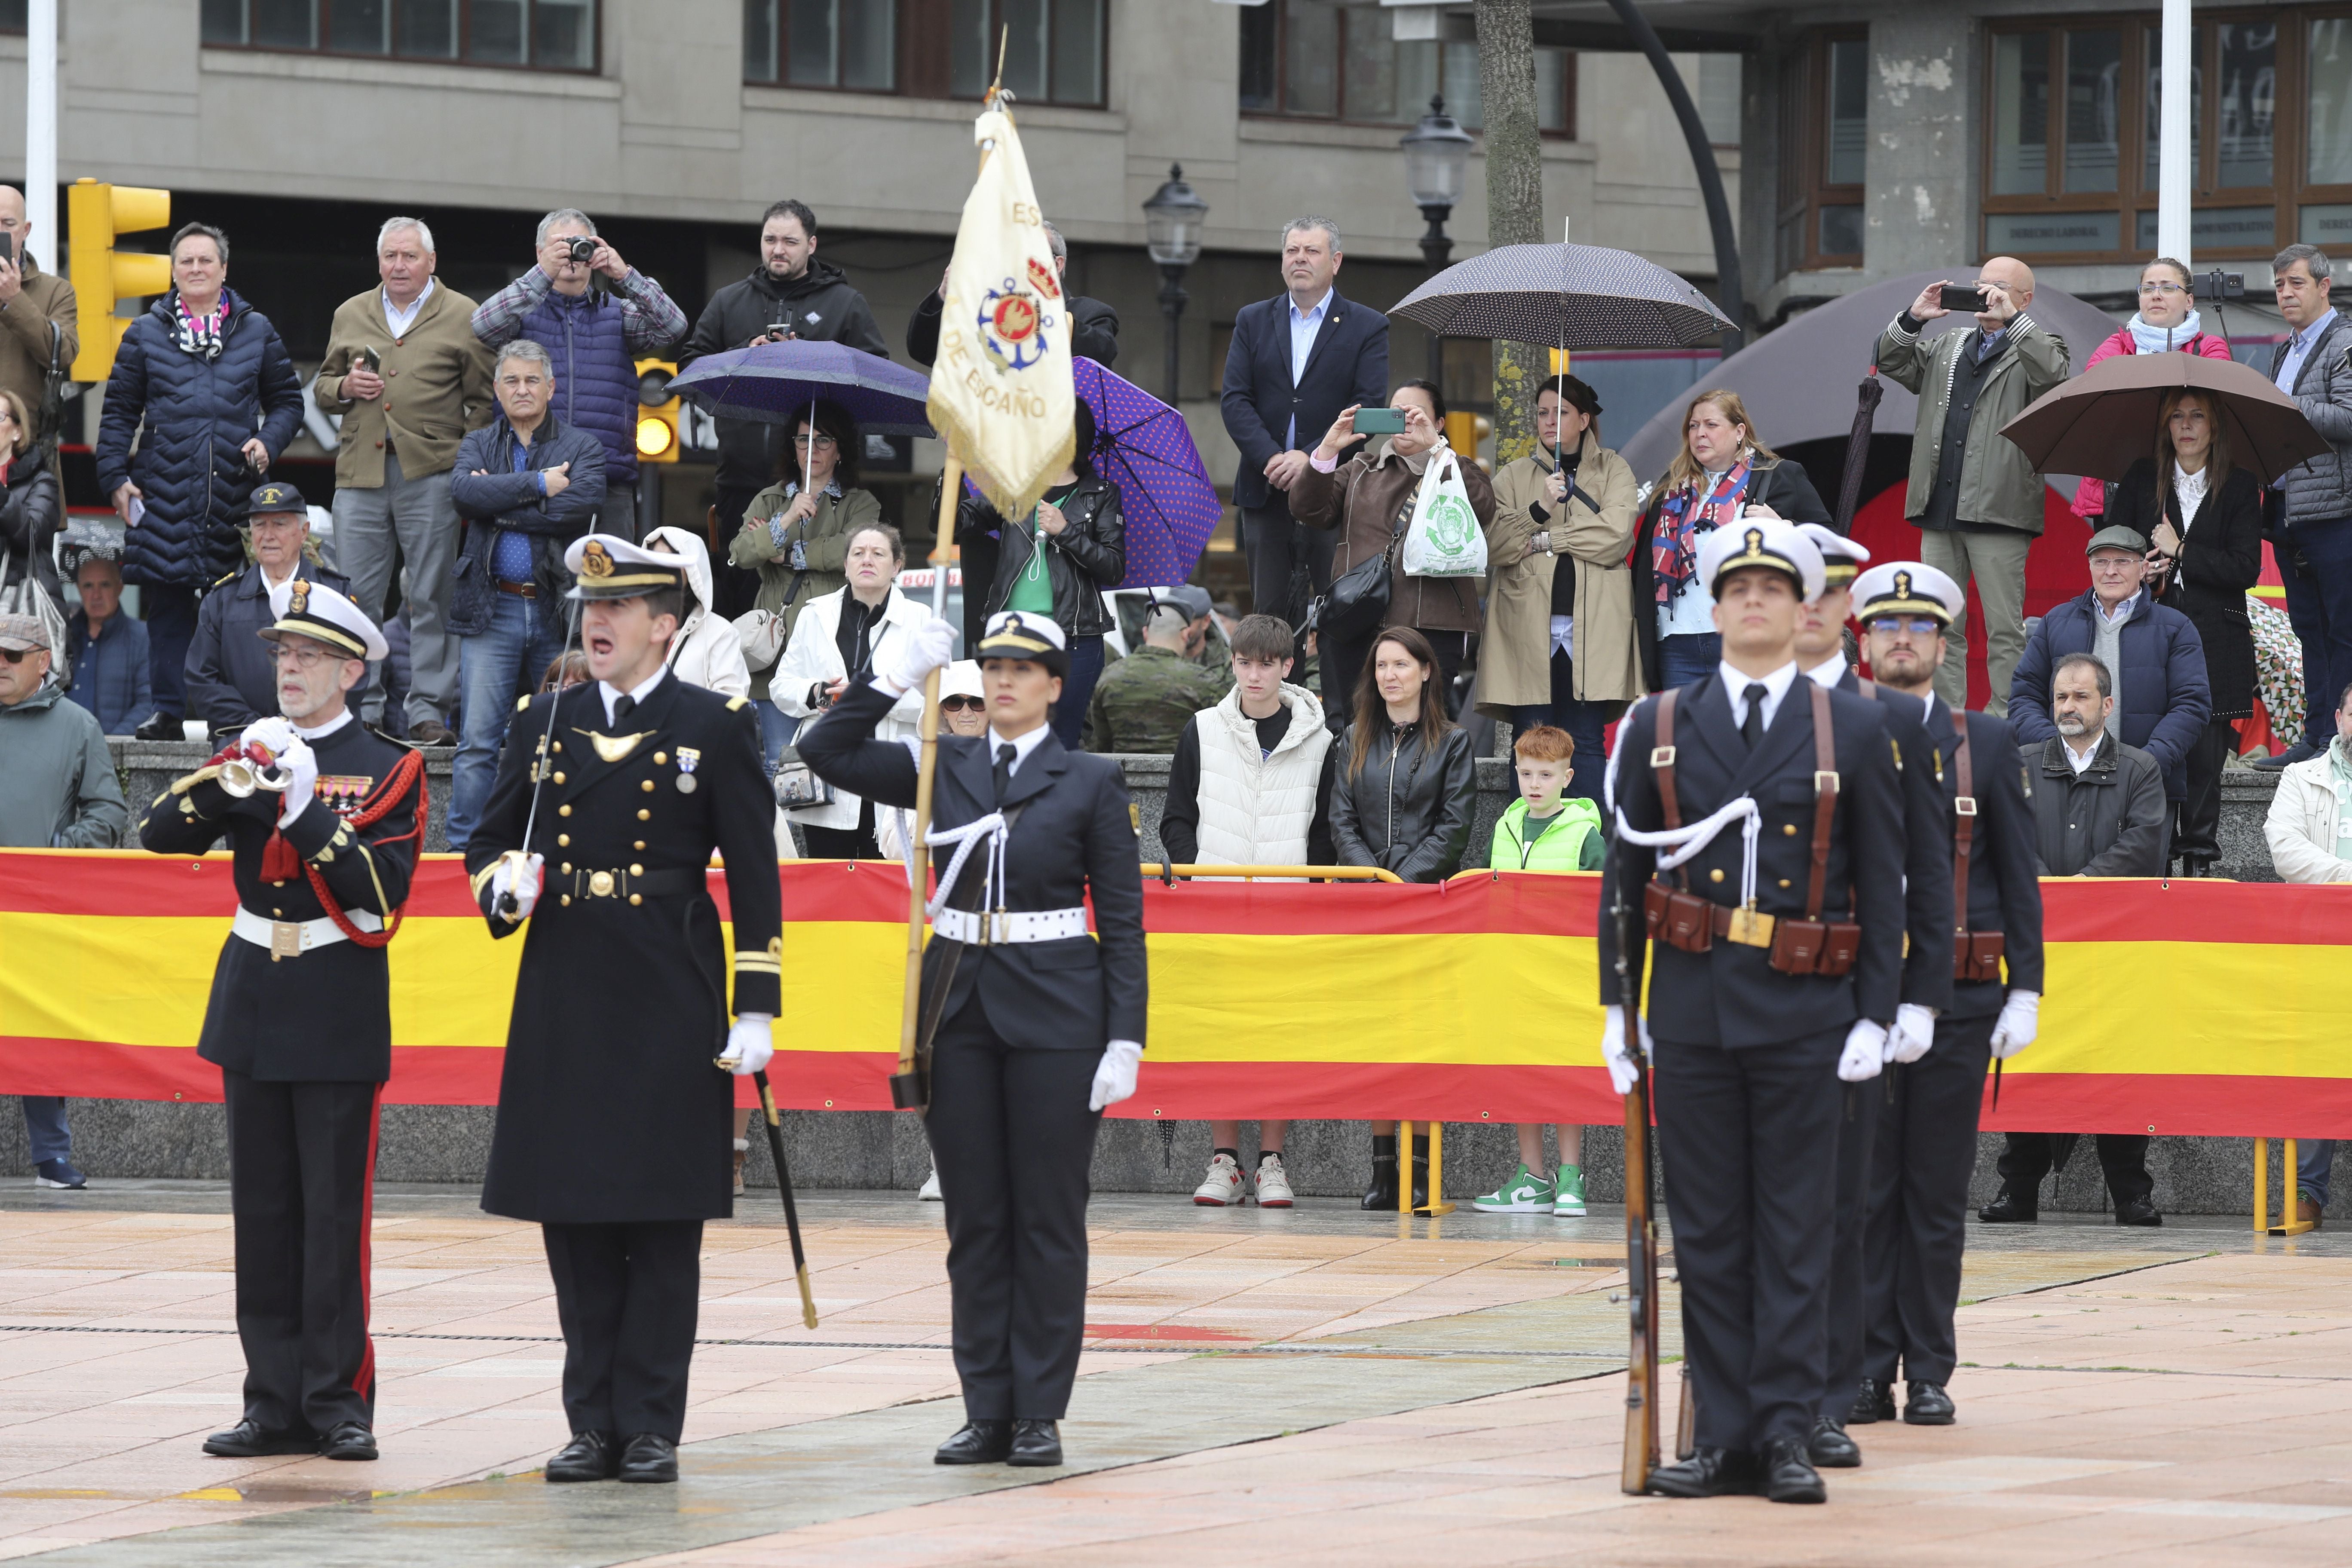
column 18, row 654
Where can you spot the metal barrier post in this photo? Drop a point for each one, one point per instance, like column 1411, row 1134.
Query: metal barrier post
column 2262, row 1186
column 2288, row 1224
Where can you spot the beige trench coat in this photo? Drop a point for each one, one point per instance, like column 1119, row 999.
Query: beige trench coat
column 1515, row 653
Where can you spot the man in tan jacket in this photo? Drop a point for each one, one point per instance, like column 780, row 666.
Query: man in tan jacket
column 1559, row 641
column 409, row 378
column 37, row 309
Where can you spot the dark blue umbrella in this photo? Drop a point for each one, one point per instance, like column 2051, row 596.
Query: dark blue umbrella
column 775, row 384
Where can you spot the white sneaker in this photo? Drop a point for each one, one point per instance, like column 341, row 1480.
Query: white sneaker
column 929, row 1190
column 1273, row 1182
column 1223, row 1185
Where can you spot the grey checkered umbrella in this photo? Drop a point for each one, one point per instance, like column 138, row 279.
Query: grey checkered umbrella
column 1565, row 296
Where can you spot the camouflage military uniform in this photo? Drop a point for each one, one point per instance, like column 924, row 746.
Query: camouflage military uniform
column 1141, row 703
column 1217, row 657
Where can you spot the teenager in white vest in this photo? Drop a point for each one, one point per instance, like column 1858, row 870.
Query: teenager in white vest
column 1250, row 785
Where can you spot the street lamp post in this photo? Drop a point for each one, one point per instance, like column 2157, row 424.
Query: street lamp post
column 1173, row 219
column 1437, row 166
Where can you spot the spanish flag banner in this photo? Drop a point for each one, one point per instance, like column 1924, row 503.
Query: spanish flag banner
column 2196, row 1007
column 1001, row 397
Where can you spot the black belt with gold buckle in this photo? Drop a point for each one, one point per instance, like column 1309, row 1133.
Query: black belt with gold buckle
column 632, row 884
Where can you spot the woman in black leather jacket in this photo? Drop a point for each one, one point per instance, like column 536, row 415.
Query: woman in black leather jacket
column 31, row 510
column 1401, row 799
column 1078, row 530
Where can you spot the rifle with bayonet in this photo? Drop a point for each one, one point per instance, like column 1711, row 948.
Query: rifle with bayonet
column 1642, row 1393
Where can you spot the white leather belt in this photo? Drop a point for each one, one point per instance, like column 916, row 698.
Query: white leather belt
column 292, row 939
column 1025, row 925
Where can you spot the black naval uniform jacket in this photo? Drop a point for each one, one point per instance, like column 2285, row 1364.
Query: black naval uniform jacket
column 1075, row 836
column 2004, row 893
column 610, row 1107
column 264, row 1016
column 1927, row 849
column 1729, row 996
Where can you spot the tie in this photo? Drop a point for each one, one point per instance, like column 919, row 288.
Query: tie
column 1004, row 755
column 1753, row 731
column 623, row 706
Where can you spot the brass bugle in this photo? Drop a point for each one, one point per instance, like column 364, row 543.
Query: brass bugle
column 241, row 778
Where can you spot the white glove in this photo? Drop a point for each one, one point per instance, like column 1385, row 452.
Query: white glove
column 518, row 874
column 1115, row 1077
column 1913, row 1033
column 929, row 647
column 301, row 765
column 2021, row 1018
column 1622, row 1072
column 272, row 734
column 749, row 1043
column 1865, row 1050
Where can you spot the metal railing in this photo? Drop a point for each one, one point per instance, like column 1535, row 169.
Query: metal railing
column 1168, row 871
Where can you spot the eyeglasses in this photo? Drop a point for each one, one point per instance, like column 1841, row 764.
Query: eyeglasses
column 819, row 439
column 961, row 704
column 1893, row 625
column 2162, row 288
column 307, row 657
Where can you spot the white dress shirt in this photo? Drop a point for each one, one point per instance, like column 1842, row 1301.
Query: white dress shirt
column 2079, row 761
column 325, row 729
column 400, row 320
column 1022, row 744
column 2299, row 349
column 1776, row 686
column 280, row 590
column 613, row 694
column 1829, row 672
column 1304, row 326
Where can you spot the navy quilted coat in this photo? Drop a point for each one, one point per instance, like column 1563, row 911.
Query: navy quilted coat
column 193, row 417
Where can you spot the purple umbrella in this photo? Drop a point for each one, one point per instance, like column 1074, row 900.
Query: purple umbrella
column 775, row 383
column 1143, row 446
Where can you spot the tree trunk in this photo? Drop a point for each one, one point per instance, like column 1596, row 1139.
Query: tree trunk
column 1515, row 216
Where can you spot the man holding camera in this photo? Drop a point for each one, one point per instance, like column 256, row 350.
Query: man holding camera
column 593, row 338
column 791, row 294
column 323, row 816
column 39, row 323
column 1974, row 495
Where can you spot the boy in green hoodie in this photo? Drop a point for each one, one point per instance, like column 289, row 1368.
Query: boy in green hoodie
column 1544, row 831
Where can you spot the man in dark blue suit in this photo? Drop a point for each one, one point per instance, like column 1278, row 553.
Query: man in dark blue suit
column 1296, row 359
column 1041, row 1020
column 1927, row 1146
column 1767, row 805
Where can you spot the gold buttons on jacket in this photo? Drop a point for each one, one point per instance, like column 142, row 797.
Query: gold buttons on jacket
column 648, row 787
column 564, row 810
column 636, row 897
column 1715, row 875
column 563, row 841
column 567, row 867
column 1788, row 829
column 1784, row 881
column 644, row 815
column 637, row 871
column 559, row 778
column 640, row 844
column 567, row 898
column 661, row 756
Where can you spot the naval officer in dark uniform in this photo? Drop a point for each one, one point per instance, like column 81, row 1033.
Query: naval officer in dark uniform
column 1042, row 1022
column 614, row 1117
column 1927, row 1144
column 323, row 816
column 1927, row 972
column 1767, row 808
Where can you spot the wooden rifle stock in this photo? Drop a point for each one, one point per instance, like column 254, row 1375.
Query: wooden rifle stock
column 1641, row 1453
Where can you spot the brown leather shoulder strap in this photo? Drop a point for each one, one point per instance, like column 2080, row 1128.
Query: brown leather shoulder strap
column 1661, row 768
column 1825, row 793
column 1964, row 822
column 1866, row 686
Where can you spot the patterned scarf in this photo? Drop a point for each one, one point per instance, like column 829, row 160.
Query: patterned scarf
column 201, row 335
column 1674, row 548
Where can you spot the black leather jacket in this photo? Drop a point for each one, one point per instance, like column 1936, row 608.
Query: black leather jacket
column 1083, row 560
column 1405, row 811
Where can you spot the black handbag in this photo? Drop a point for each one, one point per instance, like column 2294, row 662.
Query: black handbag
column 1357, row 602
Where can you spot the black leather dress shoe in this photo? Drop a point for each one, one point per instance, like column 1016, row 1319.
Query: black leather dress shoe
column 158, row 727
column 588, row 1457
column 1874, row 1401
column 349, row 1440
column 979, row 1443
column 1829, row 1448
column 1037, row 1445
column 1789, row 1475
column 250, row 1439
column 2139, row 1211
column 1709, row 1472
column 2007, row 1210
column 1929, row 1405
column 649, row 1458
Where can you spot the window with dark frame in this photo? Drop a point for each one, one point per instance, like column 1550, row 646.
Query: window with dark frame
column 532, row 34
column 2072, row 145
column 1054, row 51
column 847, row 44
column 1341, row 59
column 1824, row 144
column 15, row 15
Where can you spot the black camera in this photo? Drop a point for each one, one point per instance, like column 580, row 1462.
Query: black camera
column 1961, row 297
column 2219, row 285
column 583, row 249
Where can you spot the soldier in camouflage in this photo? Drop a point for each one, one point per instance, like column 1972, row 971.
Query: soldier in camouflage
column 1142, row 702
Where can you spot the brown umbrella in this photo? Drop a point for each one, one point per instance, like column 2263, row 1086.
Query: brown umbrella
column 2104, row 420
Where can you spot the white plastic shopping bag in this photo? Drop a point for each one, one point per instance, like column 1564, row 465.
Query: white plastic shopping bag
column 1444, row 538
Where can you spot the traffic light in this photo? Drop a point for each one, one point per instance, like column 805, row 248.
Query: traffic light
column 657, row 411
column 1464, row 431
column 103, row 277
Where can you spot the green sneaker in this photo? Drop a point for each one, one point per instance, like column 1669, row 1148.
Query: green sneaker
column 1525, row 1193
column 1568, row 1201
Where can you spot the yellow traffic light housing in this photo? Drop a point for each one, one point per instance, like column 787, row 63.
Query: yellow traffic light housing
column 103, row 277
column 658, row 412
column 1464, row 431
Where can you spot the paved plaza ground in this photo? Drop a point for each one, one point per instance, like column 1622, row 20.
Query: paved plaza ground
column 1303, row 1388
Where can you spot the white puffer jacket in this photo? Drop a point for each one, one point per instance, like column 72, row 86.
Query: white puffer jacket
column 814, row 656
column 2300, row 826
column 706, row 652
column 1258, row 812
